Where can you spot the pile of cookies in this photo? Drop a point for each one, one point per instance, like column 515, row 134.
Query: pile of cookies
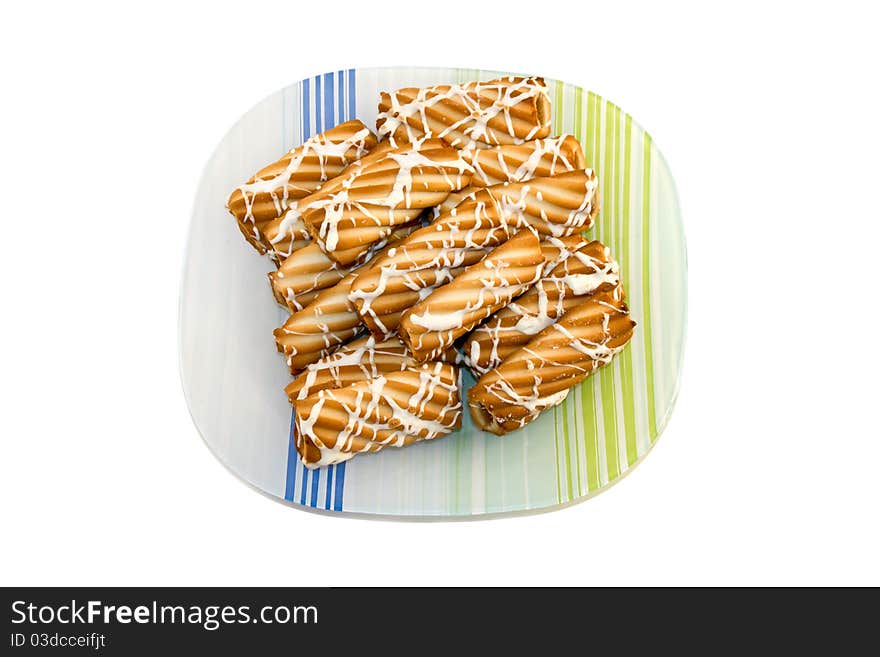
column 452, row 237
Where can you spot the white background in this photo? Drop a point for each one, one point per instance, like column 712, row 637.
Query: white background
column 768, row 471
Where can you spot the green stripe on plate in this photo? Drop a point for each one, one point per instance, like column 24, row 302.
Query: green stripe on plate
column 646, row 283
column 563, row 473
column 588, row 401
column 626, row 365
column 606, row 374
column 577, row 125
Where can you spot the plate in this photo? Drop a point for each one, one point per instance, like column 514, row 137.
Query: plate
column 233, row 378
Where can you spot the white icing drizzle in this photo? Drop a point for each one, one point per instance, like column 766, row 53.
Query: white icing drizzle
column 362, row 355
column 565, row 286
column 307, row 271
column 581, row 284
column 597, row 351
column 550, row 148
column 478, row 112
column 318, row 146
column 495, row 287
column 400, row 191
column 514, row 209
column 291, row 225
column 534, row 402
column 539, row 360
column 474, row 353
column 441, row 249
column 406, row 419
column 533, row 312
column 293, row 300
column 511, row 198
column 581, row 215
column 403, row 180
column 329, row 232
column 381, row 209
column 442, row 321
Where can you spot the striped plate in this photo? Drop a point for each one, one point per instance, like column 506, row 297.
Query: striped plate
column 233, row 377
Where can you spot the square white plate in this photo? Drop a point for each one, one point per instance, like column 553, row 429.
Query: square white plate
column 233, row 377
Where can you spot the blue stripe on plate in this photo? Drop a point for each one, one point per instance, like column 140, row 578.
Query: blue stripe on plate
column 319, row 118
column 306, row 123
column 316, row 478
column 340, row 96
column 290, row 486
column 330, row 99
column 305, row 478
column 340, row 487
column 329, row 486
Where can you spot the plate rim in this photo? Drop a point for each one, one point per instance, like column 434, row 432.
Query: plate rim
column 432, row 517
